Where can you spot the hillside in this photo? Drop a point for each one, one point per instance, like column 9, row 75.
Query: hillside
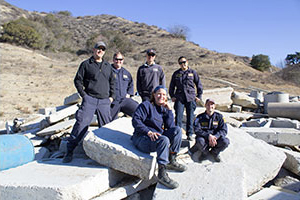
column 37, row 79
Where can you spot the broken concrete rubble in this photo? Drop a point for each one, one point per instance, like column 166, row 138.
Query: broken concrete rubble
column 81, row 179
column 222, row 96
column 60, row 115
column 111, row 146
column 56, row 128
column 72, row 99
column 292, row 162
column 243, row 100
column 275, row 136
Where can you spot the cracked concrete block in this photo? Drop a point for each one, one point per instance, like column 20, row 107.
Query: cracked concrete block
column 111, row 146
column 243, row 100
column 213, row 182
column 292, row 162
column 56, row 128
column 50, row 179
column 61, row 114
column 72, row 99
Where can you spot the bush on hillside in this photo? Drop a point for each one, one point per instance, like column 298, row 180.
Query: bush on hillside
column 179, row 31
column 260, row 62
column 22, row 32
column 39, row 32
column 291, row 73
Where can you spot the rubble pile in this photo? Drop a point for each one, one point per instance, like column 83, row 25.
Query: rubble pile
column 261, row 162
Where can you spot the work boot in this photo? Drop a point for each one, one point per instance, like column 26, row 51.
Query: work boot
column 68, row 157
column 164, row 179
column 216, row 157
column 174, row 165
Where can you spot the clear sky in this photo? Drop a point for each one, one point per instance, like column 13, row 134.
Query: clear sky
column 241, row 27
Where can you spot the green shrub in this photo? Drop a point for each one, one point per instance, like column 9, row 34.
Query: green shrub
column 22, row 32
column 260, row 62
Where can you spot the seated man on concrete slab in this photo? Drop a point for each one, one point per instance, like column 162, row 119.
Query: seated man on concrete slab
column 155, row 131
column 211, row 131
column 123, row 90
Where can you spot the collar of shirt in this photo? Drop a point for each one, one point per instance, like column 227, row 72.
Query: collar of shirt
column 149, row 65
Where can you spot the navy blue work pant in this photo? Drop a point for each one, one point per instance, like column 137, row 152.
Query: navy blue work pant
column 190, row 108
column 203, row 145
column 169, row 141
column 84, row 117
column 126, row 105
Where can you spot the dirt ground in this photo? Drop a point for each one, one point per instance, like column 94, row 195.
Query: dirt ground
column 30, row 81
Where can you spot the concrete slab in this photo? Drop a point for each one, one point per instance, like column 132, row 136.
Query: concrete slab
column 242, row 99
column 81, row 179
column 111, row 146
column 72, row 99
column 275, row 136
column 274, row 194
column 222, row 96
column 292, row 162
column 260, row 160
column 209, row 182
column 126, row 188
column 61, row 114
column 56, row 128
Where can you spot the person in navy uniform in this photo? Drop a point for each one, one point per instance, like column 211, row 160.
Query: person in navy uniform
column 183, row 93
column 155, row 131
column 124, row 89
column 149, row 75
column 211, row 131
column 95, row 83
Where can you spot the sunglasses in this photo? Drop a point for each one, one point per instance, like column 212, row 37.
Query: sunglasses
column 151, row 54
column 101, row 48
column 182, row 62
column 118, row 59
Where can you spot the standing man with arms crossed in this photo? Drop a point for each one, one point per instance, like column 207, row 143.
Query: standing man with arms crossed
column 149, row 75
column 95, row 83
column 124, row 89
column 183, row 93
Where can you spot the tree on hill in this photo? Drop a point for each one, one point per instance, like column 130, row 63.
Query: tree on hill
column 260, row 62
column 292, row 59
column 179, row 31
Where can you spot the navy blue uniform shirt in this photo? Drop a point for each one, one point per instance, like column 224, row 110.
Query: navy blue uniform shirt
column 182, row 85
column 123, row 83
column 148, row 77
column 214, row 125
column 150, row 117
column 95, row 79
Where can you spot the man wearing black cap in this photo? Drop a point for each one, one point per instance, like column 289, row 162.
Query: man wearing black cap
column 149, row 75
column 211, row 131
column 94, row 82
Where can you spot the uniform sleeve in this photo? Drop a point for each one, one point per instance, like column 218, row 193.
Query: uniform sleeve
column 172, row 86
column 198, row 129
column 162, row 78
column 138, row 83
column 198, row 85
column 139, row 118
column 130, row 90
column 78, row 80
column 112, row 83
column 221, row 129
column 168, row 119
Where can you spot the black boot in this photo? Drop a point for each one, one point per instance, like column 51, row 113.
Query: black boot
column 164, row 179
column 174, row 165
column 68, row 157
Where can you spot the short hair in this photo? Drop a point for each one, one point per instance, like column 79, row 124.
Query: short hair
column 181, row 58
column 118, row 53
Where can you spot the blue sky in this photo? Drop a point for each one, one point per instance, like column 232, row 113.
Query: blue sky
column 241, row 27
